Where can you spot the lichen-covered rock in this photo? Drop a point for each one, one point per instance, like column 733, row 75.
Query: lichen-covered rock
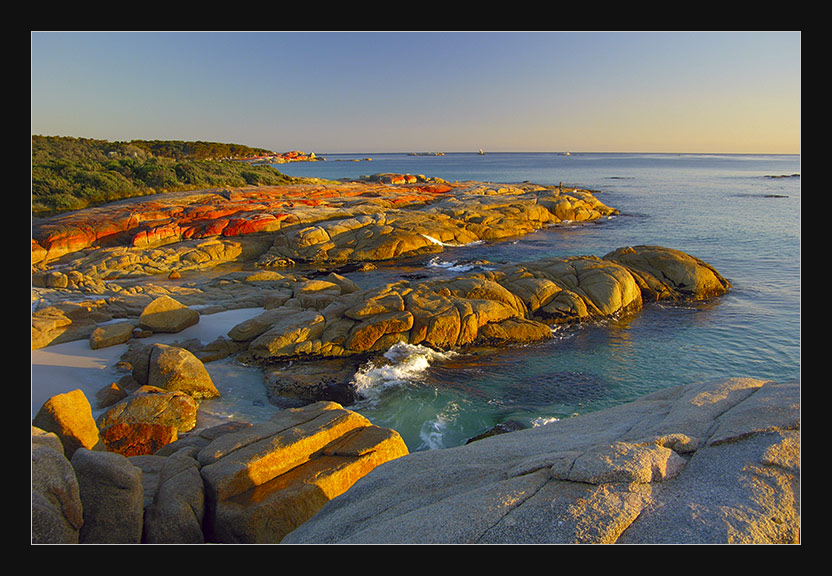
column 176, row 369
column 155, row 406
column 137, row 438
column 111, row 334
column 372, row 219
column 67, row 321
column 509, row 304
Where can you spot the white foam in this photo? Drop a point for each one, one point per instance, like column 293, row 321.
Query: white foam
column 453, row 266
column 450, row 244
column 404, row 363
column 433, row 433
column 543, row 420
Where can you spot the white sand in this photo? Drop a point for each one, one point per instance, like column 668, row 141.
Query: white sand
column 74, row 365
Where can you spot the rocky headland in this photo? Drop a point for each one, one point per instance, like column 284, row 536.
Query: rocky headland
column 118, row 273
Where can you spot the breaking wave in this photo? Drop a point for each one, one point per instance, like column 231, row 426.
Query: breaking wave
column 456, row 267
column 402, row 363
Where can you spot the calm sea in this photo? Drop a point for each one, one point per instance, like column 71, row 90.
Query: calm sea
column 740, row 213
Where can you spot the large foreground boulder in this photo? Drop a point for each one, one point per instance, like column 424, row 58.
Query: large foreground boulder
column 717, row 462
column 69, row 417
column 112, row 497
column 231, row 483
column 264, row 481
column 57, row 513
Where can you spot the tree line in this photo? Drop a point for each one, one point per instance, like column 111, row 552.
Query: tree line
column 73, row 173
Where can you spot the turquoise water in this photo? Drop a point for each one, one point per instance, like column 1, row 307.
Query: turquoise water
column 740, row 213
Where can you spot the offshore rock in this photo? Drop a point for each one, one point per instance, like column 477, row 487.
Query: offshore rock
column 714, row 462
column 667, row 274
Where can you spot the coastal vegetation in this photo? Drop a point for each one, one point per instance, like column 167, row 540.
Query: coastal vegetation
column 74, row 173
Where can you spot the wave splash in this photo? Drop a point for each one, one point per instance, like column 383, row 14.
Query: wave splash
column 403, row 363
column 457, row 266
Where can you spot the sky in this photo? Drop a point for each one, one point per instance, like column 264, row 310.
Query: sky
column 330, row 92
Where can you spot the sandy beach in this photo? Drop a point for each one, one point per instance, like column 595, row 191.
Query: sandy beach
column 74, row 365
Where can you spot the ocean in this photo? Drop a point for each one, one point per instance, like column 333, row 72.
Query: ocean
column 739, row 213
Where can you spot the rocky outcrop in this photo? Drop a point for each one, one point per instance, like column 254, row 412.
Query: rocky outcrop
column 666, row 274
column 233, row 483
column 512, row 304
column 716, row 462
column 97, row 253
column 374, row 219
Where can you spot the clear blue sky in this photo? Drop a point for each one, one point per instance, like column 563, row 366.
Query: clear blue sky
column 425, row 91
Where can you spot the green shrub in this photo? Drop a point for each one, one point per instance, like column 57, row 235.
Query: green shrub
column 73, row 173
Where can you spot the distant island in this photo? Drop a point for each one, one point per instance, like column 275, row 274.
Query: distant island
column 73, row 173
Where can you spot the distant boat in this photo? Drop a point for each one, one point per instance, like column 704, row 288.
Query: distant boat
column 481, row 152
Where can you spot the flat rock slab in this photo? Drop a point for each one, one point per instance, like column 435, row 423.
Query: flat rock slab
column 716, row 462
column 263, row 481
